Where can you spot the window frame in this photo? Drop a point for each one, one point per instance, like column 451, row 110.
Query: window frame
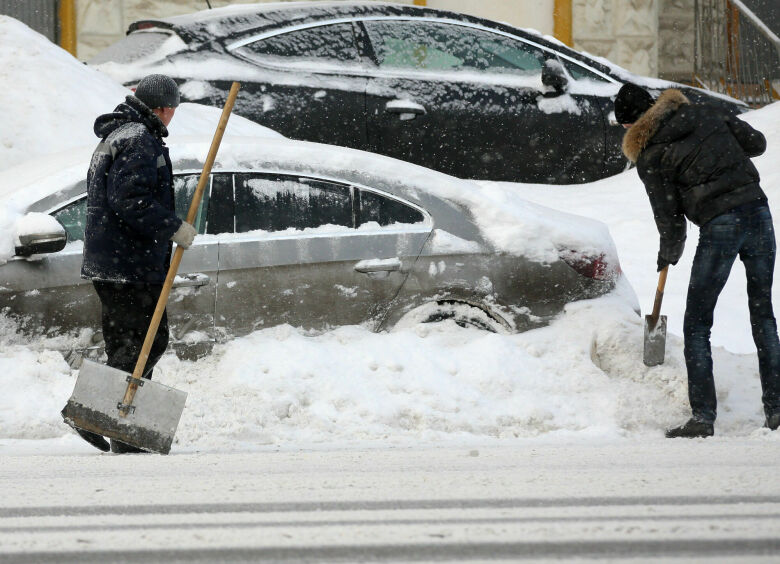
column 528, row 48
column 354, row 66
column 357, row 20
column 425, row 226
column 280, row 177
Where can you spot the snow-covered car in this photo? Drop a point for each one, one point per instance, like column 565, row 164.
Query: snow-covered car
column 314, row 236
column 463, row 95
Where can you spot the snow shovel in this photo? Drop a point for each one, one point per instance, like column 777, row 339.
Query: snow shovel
column 655, row 327
column 112, row 403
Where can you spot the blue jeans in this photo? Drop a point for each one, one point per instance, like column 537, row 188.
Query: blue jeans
column 746, row 232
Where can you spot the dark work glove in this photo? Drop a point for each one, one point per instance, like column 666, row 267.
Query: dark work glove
column 663, row 263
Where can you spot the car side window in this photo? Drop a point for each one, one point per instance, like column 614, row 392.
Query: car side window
column 375, row 208
column 282, row 202
column 73, row 218
column 334, row 43
column 578, row 72
column 184, row 189
column 447, row 47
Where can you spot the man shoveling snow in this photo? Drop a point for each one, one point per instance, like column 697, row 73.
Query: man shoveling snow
column 694, row 161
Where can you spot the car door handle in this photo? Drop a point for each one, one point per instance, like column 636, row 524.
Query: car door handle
column 404, row 107
column 192, row 280
column 378, row 265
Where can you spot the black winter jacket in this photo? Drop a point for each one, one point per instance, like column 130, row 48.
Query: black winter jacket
column 130, row 201
column 694, row 161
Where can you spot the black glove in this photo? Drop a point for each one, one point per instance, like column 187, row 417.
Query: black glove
column 663, row 263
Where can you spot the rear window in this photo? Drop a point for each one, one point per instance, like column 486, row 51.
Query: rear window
column 139, row 45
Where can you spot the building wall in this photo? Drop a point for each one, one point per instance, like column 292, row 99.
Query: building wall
column 534, row 14
column 623, row 31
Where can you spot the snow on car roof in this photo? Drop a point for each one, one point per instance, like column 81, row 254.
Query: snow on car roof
column 242, row 10
column 500, row 218
column 205, row 25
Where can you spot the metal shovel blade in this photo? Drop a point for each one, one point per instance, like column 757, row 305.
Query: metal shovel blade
column 655, row 340
column 152, row 421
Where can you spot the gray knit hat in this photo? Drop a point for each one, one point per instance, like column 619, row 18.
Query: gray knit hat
column 158, row 91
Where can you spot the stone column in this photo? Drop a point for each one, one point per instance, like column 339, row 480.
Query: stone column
column 623, row 31
column 677, row 33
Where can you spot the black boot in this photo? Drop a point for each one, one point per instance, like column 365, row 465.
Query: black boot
column 119, row 447
column 692, row 429
column 97, row 441
column 773, row 422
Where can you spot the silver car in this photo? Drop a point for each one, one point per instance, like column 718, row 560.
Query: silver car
column 314, row 236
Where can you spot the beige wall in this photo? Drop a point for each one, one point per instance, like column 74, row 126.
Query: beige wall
column 534, row 14
column 624, row 31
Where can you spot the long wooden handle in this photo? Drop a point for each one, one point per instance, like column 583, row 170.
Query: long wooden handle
column 659, row 295
column 177, row 255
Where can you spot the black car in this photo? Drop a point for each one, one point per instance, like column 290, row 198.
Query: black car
column 464, row 95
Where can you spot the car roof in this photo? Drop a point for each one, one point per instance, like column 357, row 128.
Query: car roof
column 248, row 19
column 459, row 207
column 55, row 179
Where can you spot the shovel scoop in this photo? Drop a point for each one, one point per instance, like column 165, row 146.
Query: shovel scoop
column 150, row 423
column 655, row 327
column 107, row 402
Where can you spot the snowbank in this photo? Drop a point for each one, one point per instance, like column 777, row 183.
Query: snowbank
column 581, row 378
column 50, row 100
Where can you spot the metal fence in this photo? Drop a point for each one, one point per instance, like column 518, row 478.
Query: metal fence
column 735, row 52
column 40, row 15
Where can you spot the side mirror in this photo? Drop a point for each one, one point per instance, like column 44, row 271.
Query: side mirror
column 38, row 234
column 554, row 76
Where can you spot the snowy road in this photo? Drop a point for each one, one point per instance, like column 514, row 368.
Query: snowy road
column 671, row 500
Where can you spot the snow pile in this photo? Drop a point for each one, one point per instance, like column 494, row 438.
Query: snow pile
column 50, row 100
column 581, row 378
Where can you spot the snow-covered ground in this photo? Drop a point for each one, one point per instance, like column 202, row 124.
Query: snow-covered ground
column 579, row 379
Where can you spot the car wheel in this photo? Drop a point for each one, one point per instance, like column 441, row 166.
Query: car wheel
column 464, row 315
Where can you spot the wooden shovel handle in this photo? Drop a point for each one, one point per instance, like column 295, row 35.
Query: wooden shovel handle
column 659, row 295
column 177, row 255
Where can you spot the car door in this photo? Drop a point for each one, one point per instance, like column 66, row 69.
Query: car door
column 470, row 102
column 51, row 294
column 311, row 84
column 311, row 252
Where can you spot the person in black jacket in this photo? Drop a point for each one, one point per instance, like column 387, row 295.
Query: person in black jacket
column 131, row 223
column 694, row 160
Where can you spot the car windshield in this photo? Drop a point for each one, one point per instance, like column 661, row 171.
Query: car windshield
column 138, row 45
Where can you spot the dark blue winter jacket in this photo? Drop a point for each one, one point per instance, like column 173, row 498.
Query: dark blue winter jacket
column 130, row 200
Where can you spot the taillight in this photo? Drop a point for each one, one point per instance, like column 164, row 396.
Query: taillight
column 595, row 267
